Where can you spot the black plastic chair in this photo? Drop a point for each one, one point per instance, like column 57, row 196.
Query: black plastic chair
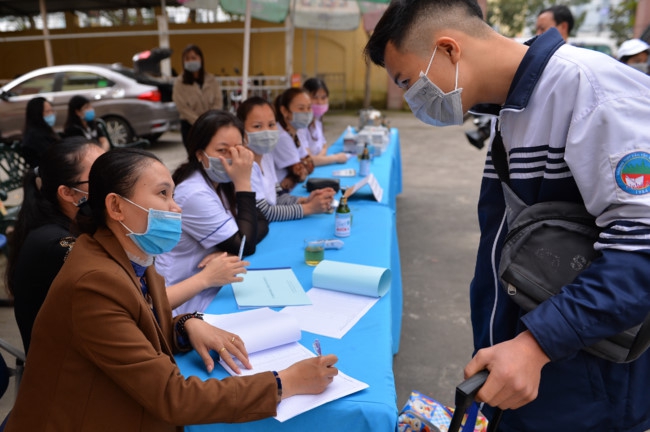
column 12, row 172
column 6, row 371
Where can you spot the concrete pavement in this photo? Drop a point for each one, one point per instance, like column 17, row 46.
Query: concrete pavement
column 438, row 236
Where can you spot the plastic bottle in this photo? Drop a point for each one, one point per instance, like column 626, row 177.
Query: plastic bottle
column 364, row 162
column 343, row 219
column 349, row 140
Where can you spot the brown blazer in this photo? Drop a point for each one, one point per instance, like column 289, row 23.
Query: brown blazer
column 99, row 361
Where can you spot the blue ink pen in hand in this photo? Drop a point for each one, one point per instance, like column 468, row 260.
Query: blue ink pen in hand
column 241, row 247
column 316, row 346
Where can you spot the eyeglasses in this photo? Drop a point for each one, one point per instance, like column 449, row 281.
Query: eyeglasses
column 80, row 183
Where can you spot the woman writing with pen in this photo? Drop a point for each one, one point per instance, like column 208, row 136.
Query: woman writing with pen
column 101, row 357
column 213, row 187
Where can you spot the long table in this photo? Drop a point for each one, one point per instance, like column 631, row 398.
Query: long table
column 366, row 351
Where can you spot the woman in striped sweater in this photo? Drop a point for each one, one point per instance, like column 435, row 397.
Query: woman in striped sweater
column 262, row 132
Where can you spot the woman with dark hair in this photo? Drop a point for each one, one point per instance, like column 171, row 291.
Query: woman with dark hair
column 313, row 134
column 292, row 161
column 262, row 136
column 39, row 134
column 103, row 343
column 81, row 122
column 214, row 190
column 44, row 233
column 195, row 91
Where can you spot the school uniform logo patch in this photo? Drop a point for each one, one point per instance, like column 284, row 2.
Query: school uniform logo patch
column 633, row 173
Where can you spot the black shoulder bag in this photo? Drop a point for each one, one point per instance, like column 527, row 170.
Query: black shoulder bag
column 547, row 245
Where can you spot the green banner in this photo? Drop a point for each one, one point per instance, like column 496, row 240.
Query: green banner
column 266, row 10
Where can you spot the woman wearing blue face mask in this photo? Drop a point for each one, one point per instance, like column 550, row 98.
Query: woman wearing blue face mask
column 44, row 232
column 292, row 161
column 262, row 137
column 103, row 343
column 81, row 122
column 39, row 134
column 195, row 90
column 214, row 190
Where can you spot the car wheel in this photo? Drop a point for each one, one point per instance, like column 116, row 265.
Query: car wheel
column 119, row 130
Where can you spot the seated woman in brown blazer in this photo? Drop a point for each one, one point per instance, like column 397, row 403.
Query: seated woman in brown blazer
column 101, row 356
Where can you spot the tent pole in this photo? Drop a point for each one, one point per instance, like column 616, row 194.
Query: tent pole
column 316, row 36
column 288, row 42
column 163, row 39
column 49, row 59
column 304, row 52
column 247, row 46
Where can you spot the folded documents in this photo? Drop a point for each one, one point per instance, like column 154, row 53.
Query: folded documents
column 269, row 287
column 271, row 341
column 342, row 294
column 352, row 278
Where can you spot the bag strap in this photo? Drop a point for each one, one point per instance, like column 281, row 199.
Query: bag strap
column 514, row 204
column 499, row 157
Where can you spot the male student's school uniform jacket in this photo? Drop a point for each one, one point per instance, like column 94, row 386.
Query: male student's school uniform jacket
column 575, row 127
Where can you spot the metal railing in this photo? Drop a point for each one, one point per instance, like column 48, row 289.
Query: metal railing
column 270, row 86
column 267, row 87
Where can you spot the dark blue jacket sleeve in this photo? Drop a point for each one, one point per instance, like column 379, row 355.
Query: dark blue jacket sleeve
column 610, row 296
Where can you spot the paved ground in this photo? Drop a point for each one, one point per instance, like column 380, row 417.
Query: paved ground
column 438, row 236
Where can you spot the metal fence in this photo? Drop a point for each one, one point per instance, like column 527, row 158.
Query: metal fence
column 270, row 86
column 267, row 87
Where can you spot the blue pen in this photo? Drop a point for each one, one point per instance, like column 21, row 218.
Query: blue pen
column 316, row 346
column 241, row 247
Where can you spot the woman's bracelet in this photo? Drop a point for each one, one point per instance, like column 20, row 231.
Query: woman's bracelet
column 279, row 382
column 180, row 326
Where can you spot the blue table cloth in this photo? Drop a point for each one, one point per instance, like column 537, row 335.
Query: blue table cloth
column 366, row 351
column 387, row 168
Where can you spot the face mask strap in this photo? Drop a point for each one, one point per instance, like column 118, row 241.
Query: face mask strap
column 127, row 228
column 456, row 85
column 79, row 190
column 431, row 60
column 83, row 199
column 129, row 201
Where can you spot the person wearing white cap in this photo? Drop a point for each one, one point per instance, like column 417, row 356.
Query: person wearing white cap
column 634, row 53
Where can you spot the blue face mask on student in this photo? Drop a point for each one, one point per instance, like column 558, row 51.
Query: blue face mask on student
column 162, row 234
column 89, row 115
column 50, row 119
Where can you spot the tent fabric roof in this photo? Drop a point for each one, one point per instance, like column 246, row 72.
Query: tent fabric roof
column 31, row 7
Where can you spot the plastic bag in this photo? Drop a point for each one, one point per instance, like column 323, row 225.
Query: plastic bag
column 424, row 414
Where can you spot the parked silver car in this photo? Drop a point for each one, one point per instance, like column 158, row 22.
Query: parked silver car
column 132, row 105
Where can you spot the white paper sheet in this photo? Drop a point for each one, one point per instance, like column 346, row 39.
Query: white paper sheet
column 258, row 328
column 332, row 313
column 271, row 341
column 281, row 358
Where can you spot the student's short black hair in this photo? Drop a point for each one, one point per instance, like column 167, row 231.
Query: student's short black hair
column 397, row 21
column 561, row 14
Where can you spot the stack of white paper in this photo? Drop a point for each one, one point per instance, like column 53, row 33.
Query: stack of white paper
column 271, row 341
